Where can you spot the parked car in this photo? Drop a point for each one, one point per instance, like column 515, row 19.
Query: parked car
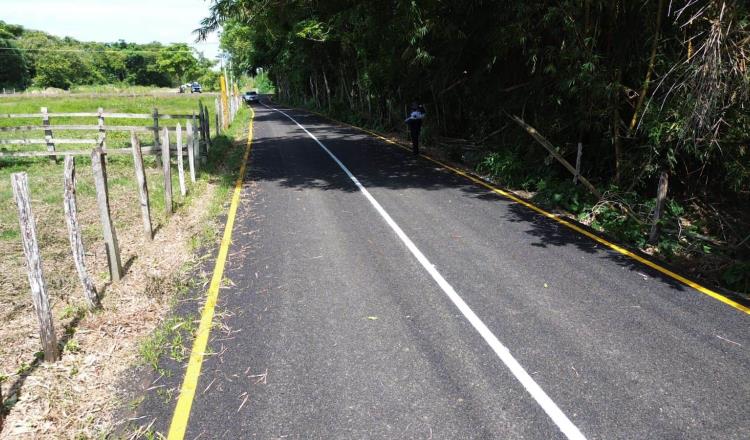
column 195, row 88
column 250, row 97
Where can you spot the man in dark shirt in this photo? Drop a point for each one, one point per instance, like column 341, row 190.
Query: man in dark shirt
column 414, row 121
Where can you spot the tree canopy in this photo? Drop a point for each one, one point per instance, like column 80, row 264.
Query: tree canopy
column 35, row 58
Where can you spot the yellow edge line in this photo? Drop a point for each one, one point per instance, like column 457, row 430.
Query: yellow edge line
column 636, row 257
column 187, row 392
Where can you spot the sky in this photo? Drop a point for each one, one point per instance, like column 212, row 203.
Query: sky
column 138, row 21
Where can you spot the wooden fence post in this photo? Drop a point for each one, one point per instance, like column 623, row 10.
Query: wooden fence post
column 199, row 128
column 48, row 132
column 208, row 129
column 140, row 177
column 102, row 132
column 661, row 197
column 168, row 208
column 157, row 133
column 74, row 232
column 206, row 134
column 180, row 165
column 578, row 163
column 20, row 184
column 190, row 150
column 219, row 120
column 102, row 200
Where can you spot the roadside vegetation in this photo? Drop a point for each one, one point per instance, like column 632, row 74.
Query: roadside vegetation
column 651, row 90
column 73, row 398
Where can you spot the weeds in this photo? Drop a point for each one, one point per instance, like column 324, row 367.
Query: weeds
column 169, row 338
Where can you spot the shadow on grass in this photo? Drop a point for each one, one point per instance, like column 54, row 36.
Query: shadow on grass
column 16, row 386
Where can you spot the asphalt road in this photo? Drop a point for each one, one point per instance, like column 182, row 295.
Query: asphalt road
column 330, row 327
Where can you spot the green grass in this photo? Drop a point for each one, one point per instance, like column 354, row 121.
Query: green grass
column 46, row 176
column 169, row 339
column 166, row 104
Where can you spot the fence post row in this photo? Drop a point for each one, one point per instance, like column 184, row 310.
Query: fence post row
column 48, row 132
column 102, row 199
column 140, row 177
column 190, row 150
column 39, row 295
column 180, row 164
column 167, row 172
column 74, row 232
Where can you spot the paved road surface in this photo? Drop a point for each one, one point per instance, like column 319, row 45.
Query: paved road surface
column 332, row 328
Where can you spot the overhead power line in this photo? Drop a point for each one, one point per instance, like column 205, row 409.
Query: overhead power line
column 23, row 49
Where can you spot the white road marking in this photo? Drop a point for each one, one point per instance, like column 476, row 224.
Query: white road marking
column 553, row 411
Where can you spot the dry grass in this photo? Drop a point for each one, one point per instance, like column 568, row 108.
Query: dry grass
column 104, row 343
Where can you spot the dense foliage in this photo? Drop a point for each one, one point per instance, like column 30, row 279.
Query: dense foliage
column 35, row 58
column 646, row 86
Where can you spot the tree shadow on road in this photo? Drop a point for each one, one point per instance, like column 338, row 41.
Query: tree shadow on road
column 295, row 161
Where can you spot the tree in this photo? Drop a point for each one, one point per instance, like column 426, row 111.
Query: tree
column 14, row 71
column 179, row 61
column 58, row 70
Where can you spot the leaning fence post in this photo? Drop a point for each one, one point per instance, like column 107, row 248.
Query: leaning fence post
column 190, row 150
column 167, row 172
column 74, row 231
column 20, row 183
column 102, row 200
column 48, row 132
column 140, row 177
column 180, row 165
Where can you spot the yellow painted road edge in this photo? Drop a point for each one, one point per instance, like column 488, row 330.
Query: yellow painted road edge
column 187, row 391
column 705, row 290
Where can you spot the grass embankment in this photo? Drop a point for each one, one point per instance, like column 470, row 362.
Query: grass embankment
column 98, row 346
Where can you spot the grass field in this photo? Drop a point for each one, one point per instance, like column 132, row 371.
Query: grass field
column 18, row 332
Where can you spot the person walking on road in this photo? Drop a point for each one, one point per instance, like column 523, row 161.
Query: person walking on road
column 414, row 121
